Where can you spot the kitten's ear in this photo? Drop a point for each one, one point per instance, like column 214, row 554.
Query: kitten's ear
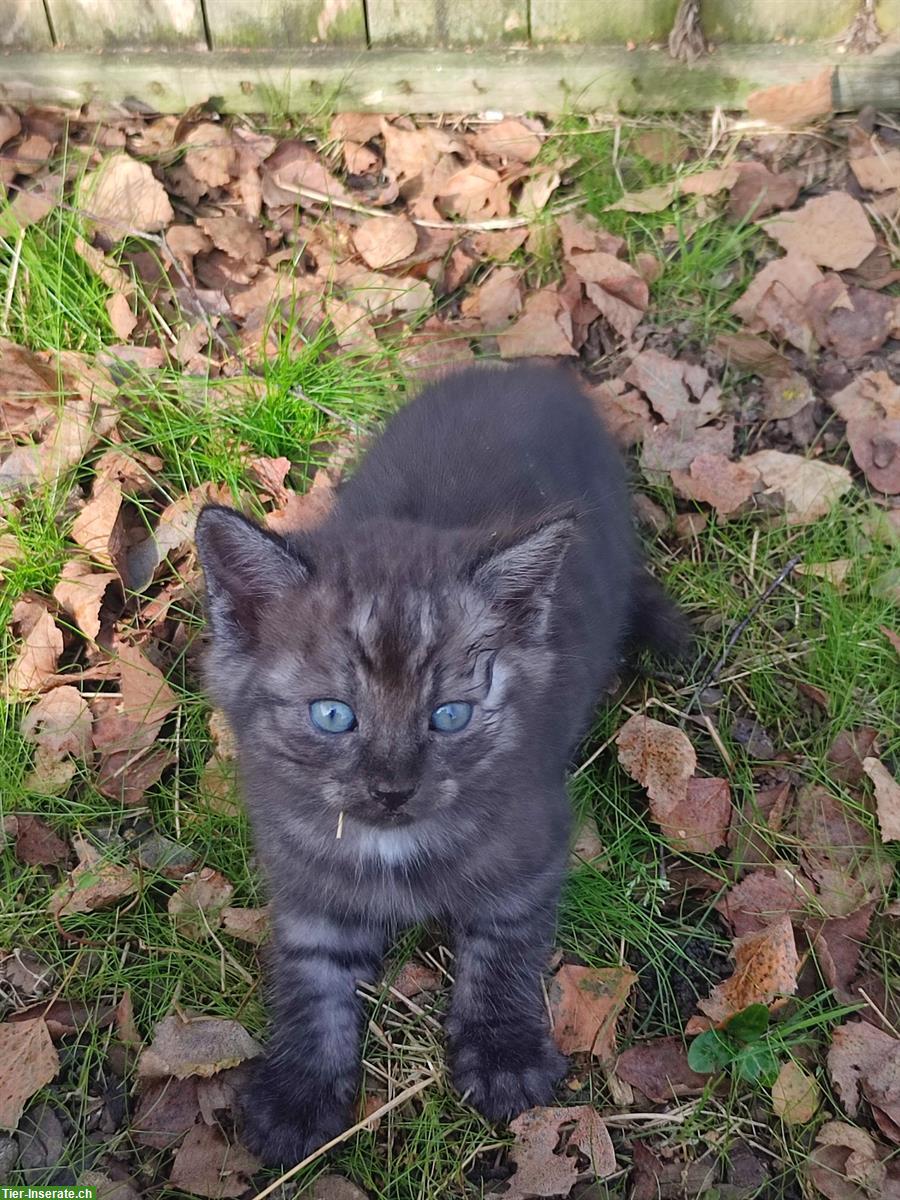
column 243, row 567
column 520, row 576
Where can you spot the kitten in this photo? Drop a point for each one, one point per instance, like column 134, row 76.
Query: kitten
column 406, row 684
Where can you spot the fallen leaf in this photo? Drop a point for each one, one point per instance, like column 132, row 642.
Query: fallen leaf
column 336, row 1187
column 710, row 181
column 834, row 572
column 623, row 411
column 887, row 798
column 166, row 1110
column 95, row 527
column 382, row 241
column 793, row 104
column 34, row 667
column 838, row 943
column 80, row 592
column 123, row 197
column 785, row 396
column 508, row 140
column 699, row 823
column 776, row 299
column 766, row 965
column 205, row 1164
column 535, row 193
column 659, row 1068
column 846, row 1164
column 235, row 236
column 544, row 328
column 585, row 1003
column 414, row 979
column 496, row 301
column 37, row 844
column 28, row 1061
column 474, row 192
column 10, row 124
column 668, row 448
column 832, row 230
column 659, row 757
column 714, row 480
column 810, row 488
column 664, row 381
column 875, row 445
column 893, row 638
column 94, row 883
column 59, row 723
column 195, row 1046
column 846, row 753
column 758, row 191
column 540, row 1170
column 857, row 1048
column 648, row 200
column 174, row 532
column 851, row 320
column 587, row 846
column 878, row 171
column 196, row 907
column 795, row 1095
column 306, row 510
column 211, row 158
column 754, row 353
column 762, row 897
column 839, row 853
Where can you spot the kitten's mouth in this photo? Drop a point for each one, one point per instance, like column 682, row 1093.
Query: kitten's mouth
column 383, row 818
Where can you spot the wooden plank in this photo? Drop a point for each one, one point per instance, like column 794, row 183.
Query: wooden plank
column 888, row 13
column 447, row 22
column 772, row 20
column 593, row 22
column 259, row 24
column 552, row 81
column 127, row 24
column 23, row 25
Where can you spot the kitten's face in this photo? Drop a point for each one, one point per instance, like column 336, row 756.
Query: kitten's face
column 384, row 706
column 375, row 674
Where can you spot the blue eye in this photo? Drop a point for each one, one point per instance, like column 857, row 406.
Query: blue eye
column 450, row 718
column 332, row 716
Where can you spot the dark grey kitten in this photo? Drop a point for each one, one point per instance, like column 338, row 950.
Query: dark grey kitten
column 407, row 683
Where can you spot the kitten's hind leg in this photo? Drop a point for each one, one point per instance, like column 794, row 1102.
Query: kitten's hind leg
column 302, row 1093
column 503, row 1058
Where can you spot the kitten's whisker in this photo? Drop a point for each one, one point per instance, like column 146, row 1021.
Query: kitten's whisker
column 340, row 826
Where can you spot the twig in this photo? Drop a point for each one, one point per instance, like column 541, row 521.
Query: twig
column 366, row 210
column 405, row 1095
column 13, row 275
column 713, row 674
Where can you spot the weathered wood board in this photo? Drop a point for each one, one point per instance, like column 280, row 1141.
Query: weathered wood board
column 596, row 22
column 270, row 24
column 132, row 24
column 24, row 25
column 447, row 22
column 564, row 79
column 774, row 20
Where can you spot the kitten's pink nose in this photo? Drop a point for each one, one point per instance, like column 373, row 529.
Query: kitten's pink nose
column 390, row 795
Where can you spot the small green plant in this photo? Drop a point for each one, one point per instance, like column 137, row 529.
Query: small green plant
column 740, row 1046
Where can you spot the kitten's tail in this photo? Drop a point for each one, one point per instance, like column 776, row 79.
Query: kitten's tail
column 657, row 623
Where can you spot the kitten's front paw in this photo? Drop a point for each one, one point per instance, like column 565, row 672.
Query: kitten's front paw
column 281, row 1126
column 502, row 1076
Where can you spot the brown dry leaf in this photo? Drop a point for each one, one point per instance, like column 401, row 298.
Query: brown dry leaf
column 206, row 1165
column 758, row 192
column 876, row 450
column 852, row 320
column 544, row 328
column 165, row 1112
column 893, row 638
column 678, row 392
column 659, row 1068
column 37, row 844
column 751, row 351
column 474, row 192
column 839, row 853
column 211, row 159
column 508, row 140
column 776, row 299
column 587, row 846
column 878, row 171
column 60, row 723
column 707, row 183
column 28, row 390
column 585, row 1003
column 872, row 395
column 847, row 1164
column 785, row 396
column 838, row 943
column 28, row 1062
column 834, row 572
column 810, row 488
column 270, row 474
column 235, row 236
column 857, row 1048
column 648, row 200
column 80, row 592
column 414, row 978
column 762, row 897
column 623, row 317
column 766, row 965
column 96, row 527
column 668, row 448
column 121, row 317
column 623, row 411
column 536, row 191
column 795, row 1095
column 196, row 907
column 497, row 301
column 659, row 757
column 382, row 241
column 793, row 104
column 34, row 667
column 93, row 884
column 540, row 1171
column 195, row 1046
column 173, row 534
column 10, row 124
column 833, row 230
column 714, row 480
column 699, row 823
column 887, row 798
column 246, row 924
column 123, row 197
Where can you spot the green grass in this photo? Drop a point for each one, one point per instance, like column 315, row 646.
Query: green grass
column 627, row 908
